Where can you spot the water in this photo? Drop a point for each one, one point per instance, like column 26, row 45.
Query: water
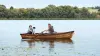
column 85, row 41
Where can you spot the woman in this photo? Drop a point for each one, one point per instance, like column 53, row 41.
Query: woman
column 30, row 30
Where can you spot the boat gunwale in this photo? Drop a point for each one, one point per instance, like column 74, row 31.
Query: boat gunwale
column 38, row 34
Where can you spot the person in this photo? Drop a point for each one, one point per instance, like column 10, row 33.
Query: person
column 30, row 30
column 50, row 29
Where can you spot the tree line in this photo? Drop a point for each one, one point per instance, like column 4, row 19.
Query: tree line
column 51, row 11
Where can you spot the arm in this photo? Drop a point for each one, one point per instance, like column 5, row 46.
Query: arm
column 44, row 31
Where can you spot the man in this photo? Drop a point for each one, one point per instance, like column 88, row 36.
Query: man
column 50, row 29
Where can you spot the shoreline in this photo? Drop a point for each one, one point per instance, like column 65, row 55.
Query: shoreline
column 49, row 18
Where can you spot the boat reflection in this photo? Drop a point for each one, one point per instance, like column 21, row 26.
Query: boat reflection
column 51, row 47
column 32, row 42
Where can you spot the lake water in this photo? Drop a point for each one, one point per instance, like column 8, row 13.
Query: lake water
column 85, row 41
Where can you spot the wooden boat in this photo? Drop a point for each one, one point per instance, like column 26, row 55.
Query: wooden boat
column 48, row 36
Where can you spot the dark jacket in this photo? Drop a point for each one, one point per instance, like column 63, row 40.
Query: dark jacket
column 51, row 30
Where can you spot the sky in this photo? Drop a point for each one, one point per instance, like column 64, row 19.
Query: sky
column 44, row 3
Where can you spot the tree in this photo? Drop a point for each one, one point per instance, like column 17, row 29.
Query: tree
column 98, row 9
column 51, row 11
column 84, row 13
column 2, row 11
column 11, row 8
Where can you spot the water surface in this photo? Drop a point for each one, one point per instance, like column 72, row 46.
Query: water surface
column 85, row 41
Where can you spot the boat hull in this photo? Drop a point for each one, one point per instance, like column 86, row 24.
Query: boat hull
column 48, row 36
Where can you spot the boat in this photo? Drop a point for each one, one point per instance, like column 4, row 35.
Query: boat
column 61, row 35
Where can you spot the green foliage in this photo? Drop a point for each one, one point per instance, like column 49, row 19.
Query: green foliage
column 51, row 11
column 11, row 8
column 49, row 18
column 98, row 9
column 3, row 11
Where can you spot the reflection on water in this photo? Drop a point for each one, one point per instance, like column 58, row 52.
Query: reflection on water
column 51, row 42
column 49, row 46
